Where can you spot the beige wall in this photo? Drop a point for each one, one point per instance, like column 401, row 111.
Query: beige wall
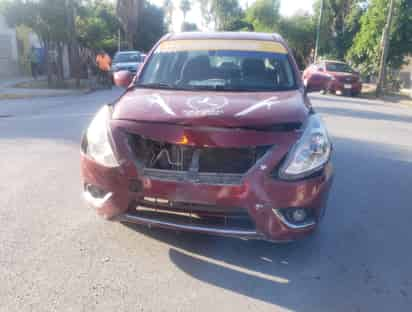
column 8, row 50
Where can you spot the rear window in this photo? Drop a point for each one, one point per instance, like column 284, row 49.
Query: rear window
column 238, row 65
column 339, row 67
column 127, row 58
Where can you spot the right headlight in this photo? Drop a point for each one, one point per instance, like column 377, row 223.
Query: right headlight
column 310, row 153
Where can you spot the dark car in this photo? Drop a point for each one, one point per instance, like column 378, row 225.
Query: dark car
column 214, row 135
column 127, row 60
column 334, row 77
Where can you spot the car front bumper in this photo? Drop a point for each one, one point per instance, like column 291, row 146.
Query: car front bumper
column 122, row 193
column 262, row 199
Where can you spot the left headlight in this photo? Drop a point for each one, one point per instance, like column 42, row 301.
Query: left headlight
column 310, row 153
column 96, row 142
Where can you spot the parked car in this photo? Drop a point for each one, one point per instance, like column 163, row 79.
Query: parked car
column 334, row 77
column 127, row 60
column 215, row 135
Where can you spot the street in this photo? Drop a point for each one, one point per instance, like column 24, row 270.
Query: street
column 57, row 255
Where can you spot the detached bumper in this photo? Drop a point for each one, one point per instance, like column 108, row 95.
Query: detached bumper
column 122, row 192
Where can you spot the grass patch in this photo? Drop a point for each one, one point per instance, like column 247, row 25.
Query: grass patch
column 6, row 96
column 402, row 97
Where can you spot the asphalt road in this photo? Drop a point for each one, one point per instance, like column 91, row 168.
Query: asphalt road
column 57, row 255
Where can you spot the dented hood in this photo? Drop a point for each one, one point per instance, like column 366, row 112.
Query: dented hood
column 219, row 109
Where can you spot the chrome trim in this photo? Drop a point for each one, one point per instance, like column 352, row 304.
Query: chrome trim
column 128, row 217
column 96, row 202
column 291, row 225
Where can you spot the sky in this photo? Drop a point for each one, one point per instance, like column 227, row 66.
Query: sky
column 287, row 8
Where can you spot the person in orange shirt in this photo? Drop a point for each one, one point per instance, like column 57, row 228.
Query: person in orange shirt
column 104, row 63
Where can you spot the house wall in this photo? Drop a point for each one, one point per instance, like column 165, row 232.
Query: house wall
column 8, row 50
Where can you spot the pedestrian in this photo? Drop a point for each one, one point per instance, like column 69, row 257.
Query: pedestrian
column 34, row 62
column 104, row 63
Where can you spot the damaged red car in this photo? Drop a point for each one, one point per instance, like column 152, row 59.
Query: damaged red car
column 216, row 135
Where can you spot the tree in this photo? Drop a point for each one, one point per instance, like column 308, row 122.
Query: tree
column 264, row 15
column 206, row 12
column 365, row 52
column 340, row 22
column 129, row 13
column 299, row 32
column 47, row 18
column 168, row 12
column 98, row 26
column 189, row 27
column 185, row 6
column 151, row 27
column 223, row 13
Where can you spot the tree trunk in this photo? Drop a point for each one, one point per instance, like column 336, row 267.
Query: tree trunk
column 74, row 56
column 48, row 67
column 60, row 71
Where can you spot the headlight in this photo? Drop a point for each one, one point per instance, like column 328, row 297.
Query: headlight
column 97, row 144
column 310, row 153
column 331, row 77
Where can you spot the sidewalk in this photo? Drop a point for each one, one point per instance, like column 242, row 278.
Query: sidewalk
column 8, row 91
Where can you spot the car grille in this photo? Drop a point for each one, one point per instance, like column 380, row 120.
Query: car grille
column 193, row 214
column 166, row 161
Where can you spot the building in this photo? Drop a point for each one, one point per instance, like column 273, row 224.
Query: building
column 8, row 50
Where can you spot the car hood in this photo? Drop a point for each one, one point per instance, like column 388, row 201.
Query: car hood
column 220, row 109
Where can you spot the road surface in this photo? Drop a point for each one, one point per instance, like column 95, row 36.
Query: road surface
column 57, row 255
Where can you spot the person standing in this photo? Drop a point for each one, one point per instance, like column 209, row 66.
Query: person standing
column 34, row 62
column 104, row 63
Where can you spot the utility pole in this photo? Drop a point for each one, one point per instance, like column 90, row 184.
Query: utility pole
column 384, row 51
column 118, row 40
column 318, row 31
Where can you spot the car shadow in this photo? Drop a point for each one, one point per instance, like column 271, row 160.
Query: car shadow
column 345, row 252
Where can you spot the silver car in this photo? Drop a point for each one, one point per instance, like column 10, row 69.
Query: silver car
column 127, row 60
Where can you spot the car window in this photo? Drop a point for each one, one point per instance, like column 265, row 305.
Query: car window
column 339, row 67
column 219, row 69
column 127, row 58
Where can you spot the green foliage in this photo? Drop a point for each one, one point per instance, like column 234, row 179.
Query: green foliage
column 47, row 18
column 151, row 27
column 189, row 27
column 97, row 26
column 299, row 31
column 365, row 51
column 223, row 13
column 340, row 22
column 185, row 6
column 264, row 15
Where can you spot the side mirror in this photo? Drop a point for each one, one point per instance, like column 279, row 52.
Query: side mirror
column 122, row 78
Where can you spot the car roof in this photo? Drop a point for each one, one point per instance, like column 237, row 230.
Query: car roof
column 225, row 36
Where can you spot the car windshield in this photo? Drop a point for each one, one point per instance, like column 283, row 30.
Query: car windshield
column 126, row 58
column 197, row 66
column 339, row 67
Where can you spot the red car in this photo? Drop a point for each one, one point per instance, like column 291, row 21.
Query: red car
column 214, row 135
column 332, row 76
